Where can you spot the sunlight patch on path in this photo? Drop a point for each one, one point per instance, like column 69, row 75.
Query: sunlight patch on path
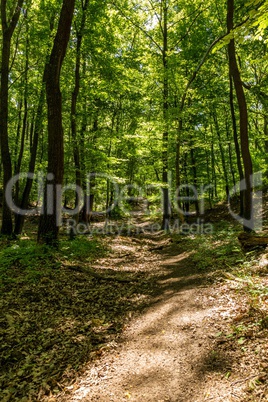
column 160, row 350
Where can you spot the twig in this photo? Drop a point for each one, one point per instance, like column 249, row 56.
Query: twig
column 244, row 379
column 91, row 272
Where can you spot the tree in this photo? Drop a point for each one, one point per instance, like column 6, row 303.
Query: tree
column 75, row 93
column 8, row 29
column 243, row 119
column 51, row 214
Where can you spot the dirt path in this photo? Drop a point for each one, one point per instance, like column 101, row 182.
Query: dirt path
column 172, row 351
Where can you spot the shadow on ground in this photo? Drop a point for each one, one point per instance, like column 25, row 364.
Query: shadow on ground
column 52, row 327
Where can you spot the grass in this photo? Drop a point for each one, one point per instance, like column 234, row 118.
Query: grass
column 24, row 261
column 219, row 251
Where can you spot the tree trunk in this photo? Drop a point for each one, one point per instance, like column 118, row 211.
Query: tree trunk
column 22, row 144
column 194, row 170
column 50, row 219
column 230, row 153
column 18, row 162
column 165, row 189
column 209, row 174
column 186, row 202
column 237, row 147
column 265, row 128
column 243, row 113
column 223, row 161
column 213, row 169
column 7, row 33
column 75, row 93
column 19, row 219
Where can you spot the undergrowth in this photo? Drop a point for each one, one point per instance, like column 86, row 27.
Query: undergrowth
column 219, row 251
column 244, row 278
column 24, row 261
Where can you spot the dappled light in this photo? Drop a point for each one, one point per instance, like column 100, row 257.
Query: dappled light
column 133, row 201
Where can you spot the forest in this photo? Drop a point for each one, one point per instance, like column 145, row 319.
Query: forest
column 134, row 172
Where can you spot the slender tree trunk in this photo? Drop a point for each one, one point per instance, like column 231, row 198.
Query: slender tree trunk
column 75, row 93
column 223, row 161
column 230, row 153
column 243, row 114
column 166, row 204
column 19, row 219
column 178, row 158
column 265, row 128
column 194, row 169
column 85, row 210
column 22, row 144
column 213, row 170
column 16, row 148
column 50, row 219
column 210, row 190
column 18, row 162
column 237, row 146
column 186, row 203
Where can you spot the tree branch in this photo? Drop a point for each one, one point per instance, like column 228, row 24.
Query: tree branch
column 137, row 26
column 198, row 68
column 157, row 16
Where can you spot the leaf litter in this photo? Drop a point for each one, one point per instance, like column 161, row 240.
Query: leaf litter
column 154, row 318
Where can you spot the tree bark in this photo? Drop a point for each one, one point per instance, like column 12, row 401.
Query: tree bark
column 50, row 219
column 236, row 142
column 243, row 114
column 18, row 162
column 75, row 93
column 165, row 190
column 223, row 161
column 7, row 33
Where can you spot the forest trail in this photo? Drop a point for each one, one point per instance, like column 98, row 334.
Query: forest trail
column 173, row 351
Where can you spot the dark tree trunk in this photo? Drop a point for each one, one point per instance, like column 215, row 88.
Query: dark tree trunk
column 75, row 93
column 7, row 33
column 243, row 112
column 50, row 219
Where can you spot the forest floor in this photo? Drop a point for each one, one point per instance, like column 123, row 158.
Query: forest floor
column 203, row 336
column 149, row 317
